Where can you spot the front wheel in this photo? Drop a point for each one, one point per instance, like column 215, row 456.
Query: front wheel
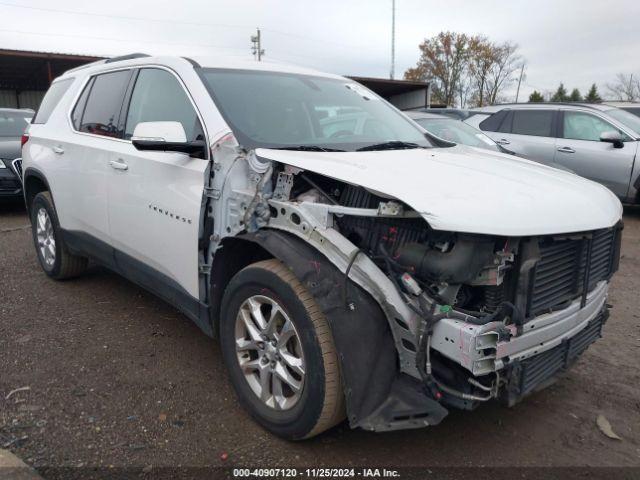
column 279, row 351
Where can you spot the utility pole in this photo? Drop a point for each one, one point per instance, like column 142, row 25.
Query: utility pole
column 519, row 82
column 393, row 39
column 256, row 47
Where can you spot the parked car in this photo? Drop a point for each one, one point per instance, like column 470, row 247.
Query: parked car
column 457, row 113
column 595, row 141
column 13, row 123
column 631, row 107
column 456, row 131
column 366, row 275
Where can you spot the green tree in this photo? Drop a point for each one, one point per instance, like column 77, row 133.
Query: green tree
column 443, row 61
column 593, row 96
column 560, row 95
column 575, row 96
column 536, row 97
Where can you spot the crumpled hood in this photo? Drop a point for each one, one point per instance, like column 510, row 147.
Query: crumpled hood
column 464, row 189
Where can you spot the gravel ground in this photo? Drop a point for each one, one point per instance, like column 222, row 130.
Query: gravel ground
column 118, row 379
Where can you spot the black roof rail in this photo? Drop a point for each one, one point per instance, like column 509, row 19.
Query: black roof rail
column 131, row 56
column 542, row 104
column 192, row 62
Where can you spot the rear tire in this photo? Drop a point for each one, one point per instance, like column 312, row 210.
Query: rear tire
column 272, row 326
column 53, row 254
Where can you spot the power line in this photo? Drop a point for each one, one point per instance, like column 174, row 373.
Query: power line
column 182, row 22
column 111, row 39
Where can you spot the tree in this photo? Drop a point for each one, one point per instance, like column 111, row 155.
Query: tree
column 536, row 97
column 560, row 95
column 443, row 60
column 480, row 62
column 575, row 96
column 625, row 87
column 506, row 63
column 593, row 96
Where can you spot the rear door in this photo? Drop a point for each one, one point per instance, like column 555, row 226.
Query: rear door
column 95, row 119
column 155, row 198
column 581, row 150
column 528, row 133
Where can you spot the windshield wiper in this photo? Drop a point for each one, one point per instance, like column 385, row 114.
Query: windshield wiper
column 310, row 148
column 392, row 145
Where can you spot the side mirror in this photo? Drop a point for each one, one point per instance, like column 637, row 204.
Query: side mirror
column 166, row 137
column 613, row 137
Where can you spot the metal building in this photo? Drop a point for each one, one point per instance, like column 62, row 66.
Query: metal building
column 25, row 76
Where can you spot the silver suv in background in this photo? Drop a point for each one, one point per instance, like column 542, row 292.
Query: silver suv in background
column 631, row 107
column 598, row 142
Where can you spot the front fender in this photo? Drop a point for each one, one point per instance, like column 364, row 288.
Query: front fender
column 375, row 391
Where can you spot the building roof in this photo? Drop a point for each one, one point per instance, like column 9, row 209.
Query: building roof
column 26, row 70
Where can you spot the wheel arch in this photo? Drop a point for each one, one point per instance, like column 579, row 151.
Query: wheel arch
column 34, row 182
column 361, row 333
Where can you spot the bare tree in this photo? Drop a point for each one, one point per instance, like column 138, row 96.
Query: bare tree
column 501, row 74
column 625, row 88
column 443, row 61
column 481, row 61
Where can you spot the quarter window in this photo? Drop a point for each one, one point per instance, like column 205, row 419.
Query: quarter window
column 102, row 109
column 537, row 122
column 51, row 99
column 584, row 126
column 158, row 96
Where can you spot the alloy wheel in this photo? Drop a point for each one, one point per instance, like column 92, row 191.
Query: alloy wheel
column 269, row 352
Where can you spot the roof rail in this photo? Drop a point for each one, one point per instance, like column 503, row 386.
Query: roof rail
column 86, row 65
column 131, row 56
column 534, row 104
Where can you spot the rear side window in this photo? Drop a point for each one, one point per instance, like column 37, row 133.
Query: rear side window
column 102, row 109
column 157, row 97
column 532, row 122
column 493, row 122
column 78, row 110
column 51, row 99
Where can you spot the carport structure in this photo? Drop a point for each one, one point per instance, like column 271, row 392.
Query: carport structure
column 25, row 76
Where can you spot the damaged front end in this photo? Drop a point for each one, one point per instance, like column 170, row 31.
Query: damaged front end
column 422, row 318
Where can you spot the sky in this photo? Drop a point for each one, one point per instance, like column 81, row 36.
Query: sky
column 576, row 42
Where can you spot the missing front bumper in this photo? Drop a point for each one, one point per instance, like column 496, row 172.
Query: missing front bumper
column 484, row 349
column 537, row 372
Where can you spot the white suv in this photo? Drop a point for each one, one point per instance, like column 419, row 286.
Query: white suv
column 349, row 265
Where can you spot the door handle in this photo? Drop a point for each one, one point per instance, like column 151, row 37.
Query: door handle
column 503, row 141
column 566, row 150
column 58, row 150
column 119, row 165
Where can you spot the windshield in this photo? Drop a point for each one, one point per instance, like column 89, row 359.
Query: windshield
column 283, row 110
column 13, row 124
column 457, row 131
column 629, row 120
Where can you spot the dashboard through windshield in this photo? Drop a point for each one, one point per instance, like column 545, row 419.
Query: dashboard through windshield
column 284, row 110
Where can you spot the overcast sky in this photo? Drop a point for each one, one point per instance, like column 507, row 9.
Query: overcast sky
column 577, row 42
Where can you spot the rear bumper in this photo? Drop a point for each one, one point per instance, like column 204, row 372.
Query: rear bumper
column 484, row 349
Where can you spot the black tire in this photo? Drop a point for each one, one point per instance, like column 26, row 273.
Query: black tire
column 65, row 265
column 320, row 405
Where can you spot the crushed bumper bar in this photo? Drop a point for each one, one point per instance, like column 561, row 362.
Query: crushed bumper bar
column 536, row 372
column 484, row 349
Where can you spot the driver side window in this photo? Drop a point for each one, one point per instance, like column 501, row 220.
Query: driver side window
column 584, row 126
column 158, row 96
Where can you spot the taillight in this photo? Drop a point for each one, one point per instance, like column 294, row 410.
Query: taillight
column 24, row 139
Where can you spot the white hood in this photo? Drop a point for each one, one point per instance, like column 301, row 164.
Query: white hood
column 465, row 189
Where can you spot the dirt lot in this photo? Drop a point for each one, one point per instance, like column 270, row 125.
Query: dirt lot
column 118, row 378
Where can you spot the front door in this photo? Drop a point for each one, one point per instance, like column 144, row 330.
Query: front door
column 579, row 148
column 155, row 198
